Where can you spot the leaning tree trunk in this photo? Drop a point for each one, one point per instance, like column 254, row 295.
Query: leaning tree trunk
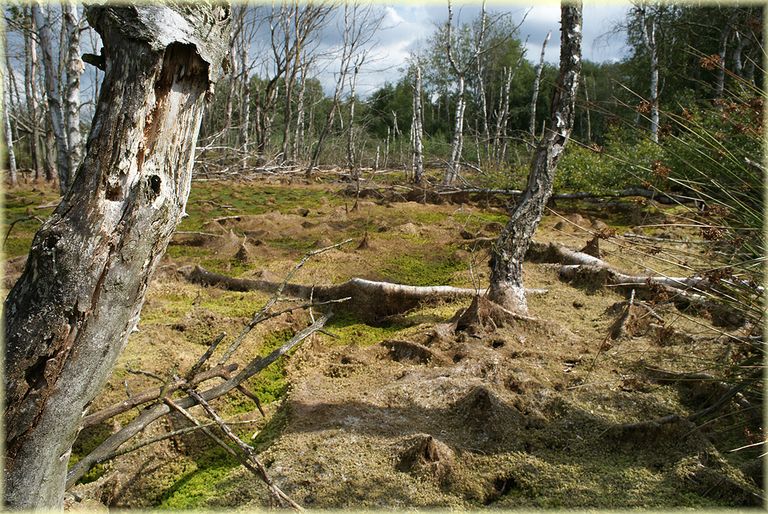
column 69, row 315
column 45, row 36
column 506, row 287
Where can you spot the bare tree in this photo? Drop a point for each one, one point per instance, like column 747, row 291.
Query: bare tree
column 12, row 175
column 648, row 15
column 74, row 68
column 506, row 288
column 30, row 93
column 300, row 23
column 69, row 315
column 360, row 25
column 351, row 125
column 536, row 86
column 460, row 68
column 417, row 129
column 500, row 143
column 52, row 90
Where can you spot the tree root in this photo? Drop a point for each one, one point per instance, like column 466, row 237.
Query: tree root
column 687, row 293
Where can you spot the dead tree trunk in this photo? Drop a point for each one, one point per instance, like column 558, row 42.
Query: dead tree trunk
column 536, row 86
column 30, row 92
column 648, row 33
column 12, row 176
column 507, row 255
column 418, row 131
column 353, row 170
column 460, row 69
column 55, row 110
column 69, row 315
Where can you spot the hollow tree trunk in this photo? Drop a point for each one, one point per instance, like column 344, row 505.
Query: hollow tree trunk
column 45, row 36
column 69, row 315
column 507, row 254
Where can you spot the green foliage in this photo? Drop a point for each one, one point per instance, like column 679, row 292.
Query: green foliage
column 624, row 162
column 708, row 156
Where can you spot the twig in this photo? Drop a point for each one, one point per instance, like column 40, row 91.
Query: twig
column 253, row 397
column 153, row 394
column 146, row 374
column 168, row 435
column 262, row 314
column 26, row 218
column 151, row 414
column 248, row 450
column 204, row 357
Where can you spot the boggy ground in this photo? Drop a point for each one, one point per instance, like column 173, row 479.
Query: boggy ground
column 451, row 405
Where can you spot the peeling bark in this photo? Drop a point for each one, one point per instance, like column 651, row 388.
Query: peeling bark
column 69, row 315
column 509, row 251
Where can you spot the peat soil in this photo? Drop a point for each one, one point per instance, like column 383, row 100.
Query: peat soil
column 451, row 405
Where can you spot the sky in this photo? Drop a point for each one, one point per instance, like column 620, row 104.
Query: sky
column 408, row 25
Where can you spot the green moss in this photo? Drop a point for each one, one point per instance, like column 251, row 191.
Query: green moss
column 436, row 269
column 170, row 308
column 201, row 481
column 351, row 331
column 87, row 441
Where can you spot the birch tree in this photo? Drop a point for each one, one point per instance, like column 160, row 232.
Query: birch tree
column 536, row 86
column 360, row 25
column 52, row 91
column 417, row 129
column 74, row 68
column 12, row 175
column 69, row 314
column 649, row 25
column 30, row 93
column 460, row 68
column 506, row 288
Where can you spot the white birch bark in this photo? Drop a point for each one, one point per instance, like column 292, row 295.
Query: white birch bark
column 418, row 131
column 506, row 287
column 52, row 90
column 74, row 68
column 536, row 86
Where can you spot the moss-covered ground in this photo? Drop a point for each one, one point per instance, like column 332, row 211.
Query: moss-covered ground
column 527, row 411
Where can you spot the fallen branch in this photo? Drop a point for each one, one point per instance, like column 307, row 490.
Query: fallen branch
column 249, row 451
column 371, row 300
column 113, row 442
column 153, row 394
column 168, row 435
column 13, row 224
